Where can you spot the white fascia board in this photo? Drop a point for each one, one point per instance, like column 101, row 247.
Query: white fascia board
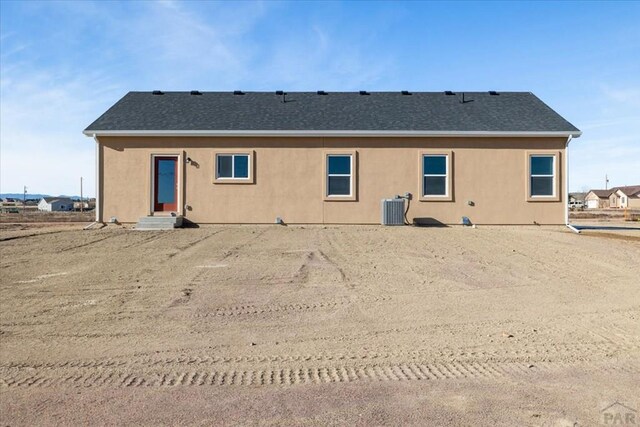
column 327, row 133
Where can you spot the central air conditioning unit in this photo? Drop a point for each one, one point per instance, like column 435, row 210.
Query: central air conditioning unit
column 392, row 211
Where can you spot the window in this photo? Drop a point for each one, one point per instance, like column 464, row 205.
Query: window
column 232, row 166
column 542, row 175
column 339, row 175
column 435, row 173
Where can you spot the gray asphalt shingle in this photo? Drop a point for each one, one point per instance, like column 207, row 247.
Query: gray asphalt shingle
column 342, row 111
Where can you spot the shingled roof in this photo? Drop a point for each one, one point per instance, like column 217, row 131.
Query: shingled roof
column 57, row 199
column 436, row 112
column 632, row 191
column 603, row 194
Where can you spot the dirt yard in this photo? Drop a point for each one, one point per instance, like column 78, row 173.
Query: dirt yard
column 318, row 325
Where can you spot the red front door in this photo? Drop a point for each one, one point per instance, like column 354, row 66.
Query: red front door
column 165, row 184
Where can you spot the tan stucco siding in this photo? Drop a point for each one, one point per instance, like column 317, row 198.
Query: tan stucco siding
column 614, row 201
column 633, row 203
column 289, row 179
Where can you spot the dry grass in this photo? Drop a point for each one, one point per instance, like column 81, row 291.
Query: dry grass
column 46, row 217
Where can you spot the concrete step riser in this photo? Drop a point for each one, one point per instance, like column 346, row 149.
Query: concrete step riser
column 159, row 220
column 155, row 226
column 159, row 223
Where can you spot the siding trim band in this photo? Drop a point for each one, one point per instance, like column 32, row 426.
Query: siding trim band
column 327, row 133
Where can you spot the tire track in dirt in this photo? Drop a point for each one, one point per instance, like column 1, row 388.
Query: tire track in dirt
column 70, row 248
column 337, row 257
column 261, row 309
column 613, row 332
column 300, row 375
column 266, row 376
column 315, row 260
column 243, row 245
column 181, row 249
column 24, row 236
column 578, row 351
column 146, row 239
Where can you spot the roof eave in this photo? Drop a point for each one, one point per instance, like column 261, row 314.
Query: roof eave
column 331, row 133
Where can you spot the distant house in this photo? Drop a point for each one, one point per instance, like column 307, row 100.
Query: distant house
column 84, row 205
column 55, row 204
column 597, row 199
column 625, row 197
column 576, row 200
column 9, row 205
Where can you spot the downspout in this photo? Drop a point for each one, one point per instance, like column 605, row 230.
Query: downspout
column 98, row 204
column 566, row 187
column 97, row 208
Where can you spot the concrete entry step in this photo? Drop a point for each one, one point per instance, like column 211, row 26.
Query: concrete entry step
column 159, row 222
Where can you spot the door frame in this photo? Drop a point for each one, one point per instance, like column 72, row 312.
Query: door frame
column 179, row 184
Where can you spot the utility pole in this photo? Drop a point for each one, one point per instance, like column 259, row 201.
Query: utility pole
column 606, row 182
column 81, row 199
column 24, row 200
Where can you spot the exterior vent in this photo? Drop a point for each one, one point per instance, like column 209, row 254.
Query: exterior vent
column 280, row 92
column 321, row 92
column 364, row 92
column 405, row 92
column 392, row 211
column 196, row 92
column 449, row 93
column 238, row 92
column 157, row 92
column 493, row 93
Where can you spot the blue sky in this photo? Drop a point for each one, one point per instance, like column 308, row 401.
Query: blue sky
column 64, row 63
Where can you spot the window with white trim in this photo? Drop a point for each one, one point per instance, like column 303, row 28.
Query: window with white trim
column 339, row 175
column 542, row 179
column 435, row 175
column 232, row 166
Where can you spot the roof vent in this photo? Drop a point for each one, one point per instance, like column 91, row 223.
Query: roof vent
column 464, row 100
column 238, row 92
column 364, row 92
column 157, row 92
column 196, row 92
column 280, row 92
column 493, row 93
column 449, row 92
column 321, row 92
column 405, row 92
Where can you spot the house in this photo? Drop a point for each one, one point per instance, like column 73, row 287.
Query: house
column 597, row 199
column 625, row 197
column 55, row 204
column 576, row 200
column 10, row 205
column 83, row 205
column 330, row 157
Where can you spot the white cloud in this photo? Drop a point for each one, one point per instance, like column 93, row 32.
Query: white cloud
column 628, row 96
column 610, row 144
column 42, row 114
column 318, row 59
column 175, row 48
column 43, row 109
